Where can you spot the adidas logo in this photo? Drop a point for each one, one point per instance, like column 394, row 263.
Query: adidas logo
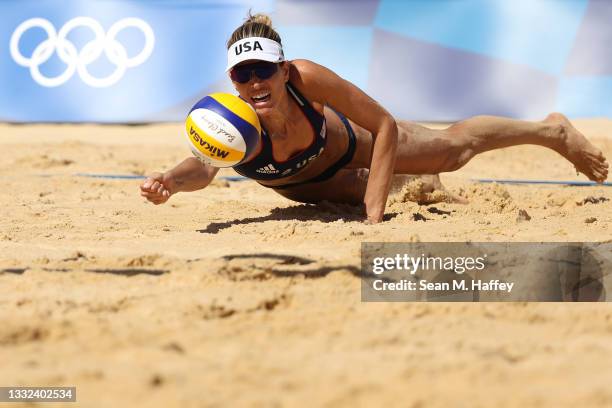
column 268, row 169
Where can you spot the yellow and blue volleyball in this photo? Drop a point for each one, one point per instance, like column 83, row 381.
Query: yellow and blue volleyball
column 222, row 130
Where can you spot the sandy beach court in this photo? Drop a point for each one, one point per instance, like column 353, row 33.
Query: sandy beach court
column 236, row 296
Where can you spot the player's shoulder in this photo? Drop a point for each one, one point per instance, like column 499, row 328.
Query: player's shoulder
column 316, row 82
column 304, row 76
column 309, row 75
column 306, row 71
column 304, row 65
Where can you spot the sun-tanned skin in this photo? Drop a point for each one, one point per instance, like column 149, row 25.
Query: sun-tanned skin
column 384, row 146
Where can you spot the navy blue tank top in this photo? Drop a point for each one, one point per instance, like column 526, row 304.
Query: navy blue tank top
column 264, row 167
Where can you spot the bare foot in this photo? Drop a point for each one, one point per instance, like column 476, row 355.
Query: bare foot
column 587, row 159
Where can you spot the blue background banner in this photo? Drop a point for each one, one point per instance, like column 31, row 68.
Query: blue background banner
column 438, row 60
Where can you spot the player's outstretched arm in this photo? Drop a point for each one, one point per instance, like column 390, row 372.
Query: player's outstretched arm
column 189, row 175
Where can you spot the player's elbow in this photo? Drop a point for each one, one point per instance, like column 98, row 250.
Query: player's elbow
column 390, row 130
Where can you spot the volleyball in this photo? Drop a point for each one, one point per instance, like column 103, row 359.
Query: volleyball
column 222, row 130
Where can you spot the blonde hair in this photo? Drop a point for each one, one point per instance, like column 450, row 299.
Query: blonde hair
column 255, row 25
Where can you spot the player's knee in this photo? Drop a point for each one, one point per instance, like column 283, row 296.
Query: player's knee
column 462, row 158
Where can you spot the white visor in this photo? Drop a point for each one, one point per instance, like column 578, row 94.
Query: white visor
column 254, row 48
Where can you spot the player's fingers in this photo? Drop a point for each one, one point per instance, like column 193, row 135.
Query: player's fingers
column 146, row 184
column 147, row 193
column 154, row 198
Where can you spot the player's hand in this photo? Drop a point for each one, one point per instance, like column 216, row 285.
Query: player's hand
column 154, row 189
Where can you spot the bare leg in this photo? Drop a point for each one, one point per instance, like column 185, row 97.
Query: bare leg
column 428, row 151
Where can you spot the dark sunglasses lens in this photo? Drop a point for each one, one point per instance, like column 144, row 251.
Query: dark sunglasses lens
column 242, row 75
column 263, row 70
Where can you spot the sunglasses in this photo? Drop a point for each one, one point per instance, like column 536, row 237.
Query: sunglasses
column 262, row 70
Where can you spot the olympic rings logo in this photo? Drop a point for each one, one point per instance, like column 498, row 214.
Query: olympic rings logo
column 77, row 61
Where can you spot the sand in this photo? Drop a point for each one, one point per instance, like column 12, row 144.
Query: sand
column 235, row 296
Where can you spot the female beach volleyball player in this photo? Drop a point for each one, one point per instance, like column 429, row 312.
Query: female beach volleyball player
column 325, row 139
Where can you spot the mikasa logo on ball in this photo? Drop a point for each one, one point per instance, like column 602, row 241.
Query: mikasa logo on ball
column 213, row 139
column 213, row 149
column 222, row 130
